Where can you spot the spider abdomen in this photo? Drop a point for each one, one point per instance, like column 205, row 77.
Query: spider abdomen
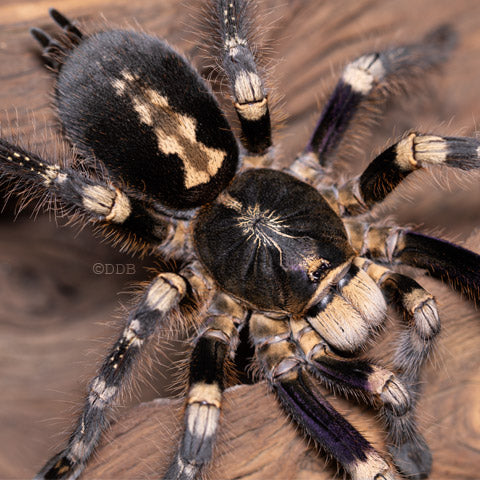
column 131, row 101
column 270, row 239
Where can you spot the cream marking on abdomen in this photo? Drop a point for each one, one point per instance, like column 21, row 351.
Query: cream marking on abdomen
column 176, row 133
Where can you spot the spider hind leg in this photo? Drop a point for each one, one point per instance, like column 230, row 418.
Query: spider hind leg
column 54, row 52
column 73, row 33
column 237, row 60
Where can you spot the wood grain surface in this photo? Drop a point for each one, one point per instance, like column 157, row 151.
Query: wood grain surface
column 57, row 316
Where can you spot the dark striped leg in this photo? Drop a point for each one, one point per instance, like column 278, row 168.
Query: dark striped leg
column 206, row 384
column 239, row 65
column 281, row 361
column 373, row 384
column 450, row 263
column 413, row 152
column 361, row 378
column 360, row 78
column 418, row 307
column 162, row 295
column 94, row 199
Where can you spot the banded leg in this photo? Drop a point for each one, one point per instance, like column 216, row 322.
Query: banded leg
column 419, row 309
column 213, row 348
column 359, row 80
column 373, row 384
column 388, row 169
column 417, row 341
column 238, row 63
column 162, row 295
column 360, row 377
column 95, row 199
column 452, row 264
column 281, row 364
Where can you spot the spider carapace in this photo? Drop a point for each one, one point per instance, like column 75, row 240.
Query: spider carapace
column 292, row 255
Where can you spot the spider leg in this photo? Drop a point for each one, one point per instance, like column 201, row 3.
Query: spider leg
column 407, row 446
column 206, row 384
column 96, row 199
column 73, row 33
column 238, row 63
column 417, row 341
column 359, row 378
column 419, row 310
column 281, row 363
column 360, row 79
column 452, row 264
column 388, row 169
column 370, row 382
column 162, row 295
column 52, row 51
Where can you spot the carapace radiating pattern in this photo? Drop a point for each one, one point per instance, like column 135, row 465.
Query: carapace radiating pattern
column 288, row 254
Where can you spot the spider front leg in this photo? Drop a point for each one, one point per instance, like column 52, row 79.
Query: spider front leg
column 206, row 384
column 360, row 80
column 449, row 262
column 94, row 199
column 282, row 364
column 162, row 295
column 238, row 63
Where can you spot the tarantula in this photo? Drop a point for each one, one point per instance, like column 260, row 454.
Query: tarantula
column 289, row 255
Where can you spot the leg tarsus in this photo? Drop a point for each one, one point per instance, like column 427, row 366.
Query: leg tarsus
column 412, row 458
column 52, row 51
column 68, row 27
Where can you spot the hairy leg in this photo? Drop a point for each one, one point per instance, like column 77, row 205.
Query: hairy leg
column 212, row 351
column 162, row 295
column 237, row 60
column 362, row 78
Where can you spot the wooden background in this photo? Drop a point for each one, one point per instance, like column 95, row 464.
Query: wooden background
column 57, row 317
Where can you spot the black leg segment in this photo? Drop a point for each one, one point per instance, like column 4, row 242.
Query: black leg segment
column 451, row 263
column 303, row 400
column 206, row 385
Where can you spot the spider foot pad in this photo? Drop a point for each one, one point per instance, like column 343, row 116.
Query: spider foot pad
column 412, row 458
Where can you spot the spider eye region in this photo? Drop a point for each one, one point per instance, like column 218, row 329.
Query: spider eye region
column 132, row 102
column 270, row 240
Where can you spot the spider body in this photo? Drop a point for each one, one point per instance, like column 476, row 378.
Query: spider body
column 269, row 225
column 291, row 255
